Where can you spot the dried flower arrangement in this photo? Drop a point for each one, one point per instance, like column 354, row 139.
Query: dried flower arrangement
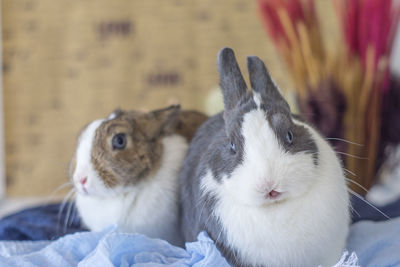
column 340, row 91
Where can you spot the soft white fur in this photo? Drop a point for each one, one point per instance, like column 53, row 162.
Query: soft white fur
column 257, row 98
column 84, row 168
column 307, row 225
column 150, row 207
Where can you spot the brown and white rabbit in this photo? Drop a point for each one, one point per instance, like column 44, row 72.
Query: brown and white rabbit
column 268, row 189
column 125, row 170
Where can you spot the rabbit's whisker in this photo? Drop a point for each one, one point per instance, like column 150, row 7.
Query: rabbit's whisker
column 368, row 203
column 52, row 195
column 343, row 140
column 63, row 204
column 68, row 215
column 350, row 155
column 359, row 185
column 352, row 173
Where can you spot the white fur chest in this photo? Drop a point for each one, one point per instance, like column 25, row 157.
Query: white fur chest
column 150, row 207
column 150, row 212
column 299, row 232
column 100, row 212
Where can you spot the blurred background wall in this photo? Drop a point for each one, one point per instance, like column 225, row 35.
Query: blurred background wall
column 68, row 62
column 2, row 161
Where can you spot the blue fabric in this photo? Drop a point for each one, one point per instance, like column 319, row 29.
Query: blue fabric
column 376, row 243
column 51, row 221
column 47, row 222
column 109, row 248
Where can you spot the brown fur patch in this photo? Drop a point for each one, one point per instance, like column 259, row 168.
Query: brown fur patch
column 189, row 122
column 109, row 179
column 142, row 154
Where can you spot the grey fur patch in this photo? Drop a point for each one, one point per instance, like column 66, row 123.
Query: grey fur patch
column 307, row 139
column 222, row 159
column 281, row 123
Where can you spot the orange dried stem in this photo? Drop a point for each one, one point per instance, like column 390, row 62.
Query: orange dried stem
column 309, row 61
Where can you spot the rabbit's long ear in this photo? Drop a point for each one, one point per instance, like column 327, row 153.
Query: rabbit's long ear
column 231, row 80
column 261, row 81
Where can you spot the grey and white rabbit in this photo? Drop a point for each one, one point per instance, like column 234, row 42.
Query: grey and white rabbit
column 267, row 188
column 125, row 170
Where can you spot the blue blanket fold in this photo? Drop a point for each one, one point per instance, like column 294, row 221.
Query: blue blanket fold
column 66, row 243
column 376, row 243
column 109, row 248
column 47, row 222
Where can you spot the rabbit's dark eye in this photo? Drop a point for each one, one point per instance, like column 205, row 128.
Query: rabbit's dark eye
column 233, row 148
column 289, row 137
column 119, row 141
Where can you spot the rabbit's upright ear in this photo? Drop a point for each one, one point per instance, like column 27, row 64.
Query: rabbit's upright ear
column 231, row 80
column 261, row 82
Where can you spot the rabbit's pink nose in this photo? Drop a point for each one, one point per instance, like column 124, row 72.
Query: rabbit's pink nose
column 83, row 180
column 274, row 194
